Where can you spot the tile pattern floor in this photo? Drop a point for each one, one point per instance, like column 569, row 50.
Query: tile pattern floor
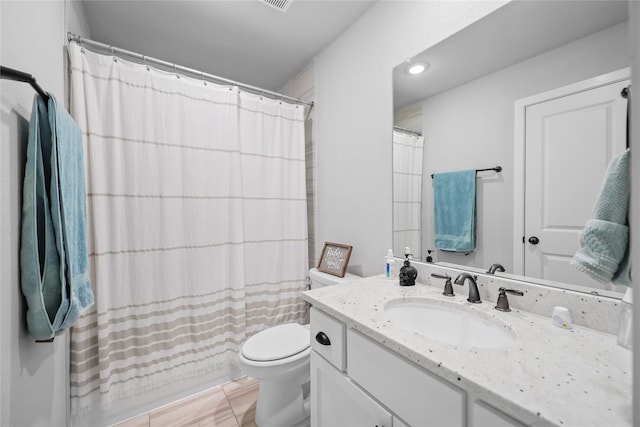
column 232, row 404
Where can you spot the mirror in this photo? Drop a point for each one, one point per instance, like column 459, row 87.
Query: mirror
column 463, row 106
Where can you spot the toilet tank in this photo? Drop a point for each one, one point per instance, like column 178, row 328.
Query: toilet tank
column 320, row 279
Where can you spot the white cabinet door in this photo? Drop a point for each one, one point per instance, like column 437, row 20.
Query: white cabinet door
column 337, row 402
column 569, row 143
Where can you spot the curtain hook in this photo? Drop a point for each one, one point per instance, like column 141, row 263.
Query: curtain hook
column 113, row 52
column 144, row 58
column 175, row 70
column 203, row 79
column 80, row 43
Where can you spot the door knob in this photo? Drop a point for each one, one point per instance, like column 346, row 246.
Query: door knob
column 534, row 240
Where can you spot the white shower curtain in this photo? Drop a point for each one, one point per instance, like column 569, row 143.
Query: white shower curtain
column 407, row 193
column 197, row 225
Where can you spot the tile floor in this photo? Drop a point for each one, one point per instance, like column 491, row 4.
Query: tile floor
column 229, row 405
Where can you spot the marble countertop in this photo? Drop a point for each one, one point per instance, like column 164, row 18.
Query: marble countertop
column 548, row 376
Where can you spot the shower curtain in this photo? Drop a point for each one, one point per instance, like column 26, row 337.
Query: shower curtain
column 197, row 225
column 407, row 193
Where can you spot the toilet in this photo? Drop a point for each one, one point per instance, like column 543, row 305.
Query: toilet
column 279, row 358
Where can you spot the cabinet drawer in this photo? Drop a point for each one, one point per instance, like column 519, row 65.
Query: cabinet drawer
column 420, row 398
column 328, row 338
column 483, row 415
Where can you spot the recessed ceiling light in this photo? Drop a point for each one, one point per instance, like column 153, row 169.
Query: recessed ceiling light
column 417, row 68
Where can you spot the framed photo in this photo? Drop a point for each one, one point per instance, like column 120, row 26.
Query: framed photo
column 334, row 259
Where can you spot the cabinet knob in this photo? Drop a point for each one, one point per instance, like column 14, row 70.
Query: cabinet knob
column 322, row 338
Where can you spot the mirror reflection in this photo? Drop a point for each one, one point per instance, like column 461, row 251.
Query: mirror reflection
column 483, row 93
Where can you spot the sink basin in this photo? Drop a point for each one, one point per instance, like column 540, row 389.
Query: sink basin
column 449, row 323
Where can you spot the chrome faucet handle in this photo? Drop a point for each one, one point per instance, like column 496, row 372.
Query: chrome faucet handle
column 503, row 302
column 448, row 287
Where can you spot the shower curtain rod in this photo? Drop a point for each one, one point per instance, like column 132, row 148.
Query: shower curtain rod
column 147, row 59
column 413, row 132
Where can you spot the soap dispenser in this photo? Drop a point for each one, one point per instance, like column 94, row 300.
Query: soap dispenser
column 408, row 273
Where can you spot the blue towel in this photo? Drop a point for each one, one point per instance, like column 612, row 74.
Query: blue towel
column 604, row 242
column 71, row 209
column 39, row 261
column 53, row 255
column 455, row 210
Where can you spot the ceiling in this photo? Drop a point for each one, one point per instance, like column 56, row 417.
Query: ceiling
column 242, row 40
column 513, row 33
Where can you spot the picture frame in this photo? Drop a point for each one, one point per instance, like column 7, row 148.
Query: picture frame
column 334, row 259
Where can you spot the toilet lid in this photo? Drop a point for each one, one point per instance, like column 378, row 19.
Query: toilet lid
column 276, row 343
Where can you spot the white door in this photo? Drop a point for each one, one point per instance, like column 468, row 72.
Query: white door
column 569, row 143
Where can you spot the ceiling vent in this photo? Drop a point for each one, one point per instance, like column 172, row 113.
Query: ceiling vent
column 281, row 5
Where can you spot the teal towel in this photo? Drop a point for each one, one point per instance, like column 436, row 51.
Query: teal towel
column 70, row 209
column 53, row 252
column 454, row 195
column 39, row 261
column 604, row 242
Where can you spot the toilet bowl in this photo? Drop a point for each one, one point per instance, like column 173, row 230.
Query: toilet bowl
column 279, row 358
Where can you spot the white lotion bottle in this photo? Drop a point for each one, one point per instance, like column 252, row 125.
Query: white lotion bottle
column 389, row 268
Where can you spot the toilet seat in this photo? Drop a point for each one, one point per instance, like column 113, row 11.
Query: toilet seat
column 276, row 343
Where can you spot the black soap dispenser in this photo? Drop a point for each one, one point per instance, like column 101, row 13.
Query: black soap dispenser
column 408, row 273
column 429, row 257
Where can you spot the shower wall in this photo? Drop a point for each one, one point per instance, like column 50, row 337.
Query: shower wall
column 302, row 86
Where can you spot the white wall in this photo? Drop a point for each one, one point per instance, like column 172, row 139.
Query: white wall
column 33, row 377
column 354, row 116
column 476, row 119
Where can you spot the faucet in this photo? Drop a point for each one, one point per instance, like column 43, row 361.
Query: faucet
column 494, row 268
column 448, row 289
column 474, row 296
column 503, row 302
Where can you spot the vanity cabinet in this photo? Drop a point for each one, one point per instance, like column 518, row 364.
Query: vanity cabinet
column 545, row 377
column 357, row 382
